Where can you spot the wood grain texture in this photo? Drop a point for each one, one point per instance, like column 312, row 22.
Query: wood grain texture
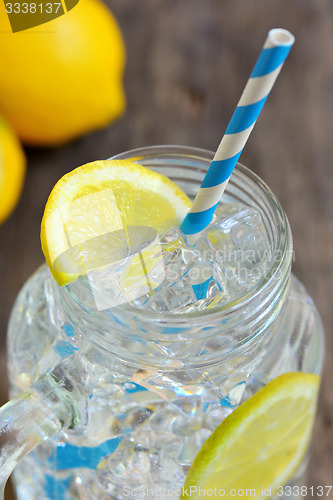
column 188, row 61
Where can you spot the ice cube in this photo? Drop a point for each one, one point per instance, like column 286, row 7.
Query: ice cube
column 178, row 258
column 238, row 241
column 134, row 466
column 192, row 444
column 130, row 278
column 126, row 467
column 179, row 275
column 169, row 475
column 189, row 278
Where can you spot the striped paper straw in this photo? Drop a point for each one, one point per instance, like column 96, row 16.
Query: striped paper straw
column 262, row 79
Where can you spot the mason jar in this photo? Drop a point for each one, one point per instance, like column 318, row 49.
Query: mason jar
column 133, row 393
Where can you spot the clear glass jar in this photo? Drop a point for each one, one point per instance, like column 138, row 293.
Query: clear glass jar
column 147, row 389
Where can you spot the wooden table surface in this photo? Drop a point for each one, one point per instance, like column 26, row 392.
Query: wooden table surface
column 188, row 61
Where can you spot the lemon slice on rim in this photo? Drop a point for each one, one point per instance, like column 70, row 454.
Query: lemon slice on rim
column 92, row 210
column 260, row 445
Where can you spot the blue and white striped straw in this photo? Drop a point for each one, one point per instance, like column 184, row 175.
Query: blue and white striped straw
column 257, row 89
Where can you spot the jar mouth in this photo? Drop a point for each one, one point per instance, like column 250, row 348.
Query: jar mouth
column 241, row 320
column 245, row 186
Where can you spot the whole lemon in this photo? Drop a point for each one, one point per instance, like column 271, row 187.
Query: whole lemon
column 64, row 78
column 12, row 170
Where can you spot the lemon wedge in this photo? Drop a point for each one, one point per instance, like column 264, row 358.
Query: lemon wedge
column 260, row 445
column 92, row 211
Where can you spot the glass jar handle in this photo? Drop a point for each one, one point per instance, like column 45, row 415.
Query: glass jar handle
column 31, row 417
